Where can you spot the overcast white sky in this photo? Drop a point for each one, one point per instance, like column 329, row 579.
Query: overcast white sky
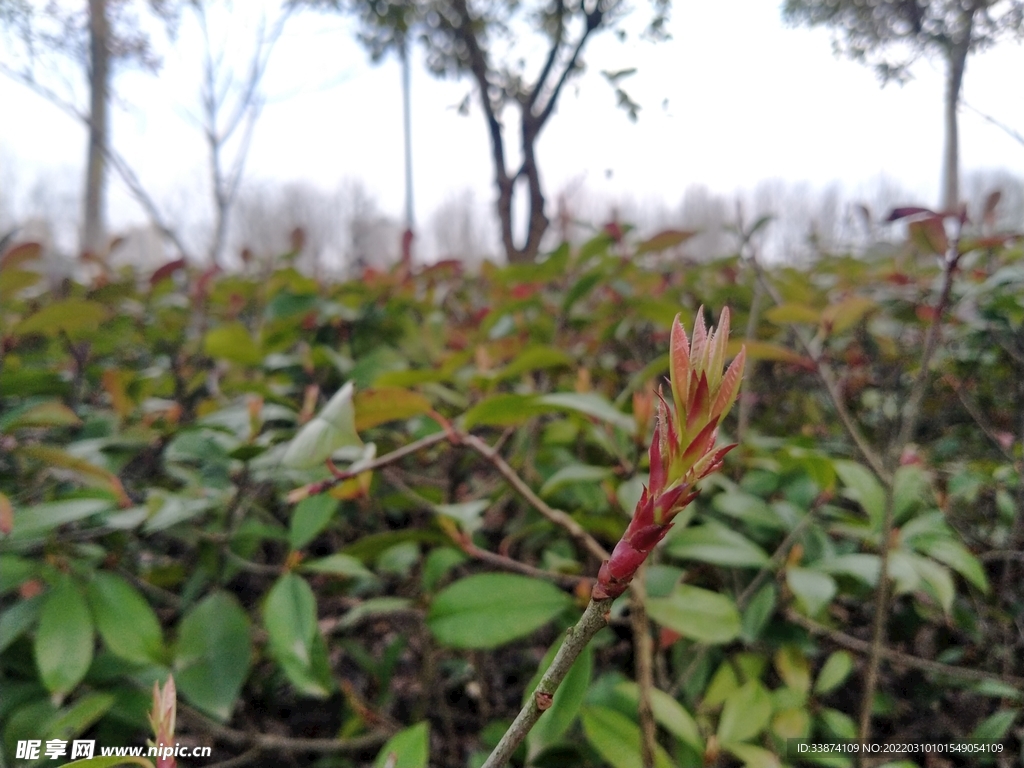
column 733, row 98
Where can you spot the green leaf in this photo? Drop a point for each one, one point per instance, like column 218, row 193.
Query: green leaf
column 51, row 413
column 937, row 580
column 590, row 404
column 814, row 590
column 15, row 621
column 212, row 657
column 697, row 613
column 502, row 411
column 311, row 516
column 753, row 756
column 617, row 738
column 995, row 727
column 289, row 615
column 911, row 490
column 64, row 638
column 838, row 724
column 126, row 622
column 748, row 508
column 861, row 566
column 80, row 716
column 331, row 429
column 745, row 714
column 468, row 514
column 491, row 609
column 69, row 316
column 574, row 474
column 956, row 556
column 233, row 342
column 669, row 713
column 534, row 359
column 409, row 748
column 792, row 312
column 845, row 314
column 757, row 613
column 793, row 668
column 37, row 520
column 565, row 704
column 338, row 565
column 863, row 487
column 384, row 404
column 834, row 671
column 714, row 543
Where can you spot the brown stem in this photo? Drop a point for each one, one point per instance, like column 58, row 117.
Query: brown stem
column 897, row 657
column 556, row 516
column 576, row 639
column 643, row 648
column 828, row 378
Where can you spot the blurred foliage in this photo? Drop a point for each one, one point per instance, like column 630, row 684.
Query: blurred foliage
column 147, row 527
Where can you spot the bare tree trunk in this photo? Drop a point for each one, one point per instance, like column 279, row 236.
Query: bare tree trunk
column 94, row 224
column 956, row 65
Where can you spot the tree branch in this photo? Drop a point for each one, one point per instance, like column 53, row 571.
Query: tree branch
column 576, row 639
column 556, row 516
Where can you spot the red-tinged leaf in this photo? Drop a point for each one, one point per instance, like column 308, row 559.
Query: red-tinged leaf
column 524, row 291
column 167, row 270
column 6, row 515
column 667, row 638
column 669, row 238
column 701, row 443
column 929, row 234
column 730, row 386
column 700, row 405
column 19, row 254
column 700, row 338
column 114, row 384
column 679, row 364
column 899, row 278
column 909, row 210
column 969, row 244
column 89, row 473
column 988, row 215
column 657, row 473
column 925, row 313
column 384, row 404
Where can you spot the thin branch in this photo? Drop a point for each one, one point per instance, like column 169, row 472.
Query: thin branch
column 897, row 657
column 644, row 666
column 274, row 743
column 978, row 416
column 828, row 378
column 556, row 516
column 576, row 639
column 398, row 454
column 877, row 648
column 1015, row 135
column 594, row 20
column 556, row 46
column 911, row 411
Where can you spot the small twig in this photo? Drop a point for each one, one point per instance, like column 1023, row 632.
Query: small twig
column 642, row 645
column 1002, row 554
column 389, row 458
column 576, row 639
column 828, row 378
column 249, row 756
column 978, row 416
column 877, row 648
column 269, row 742
column 897, row 657
column 556, row 516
